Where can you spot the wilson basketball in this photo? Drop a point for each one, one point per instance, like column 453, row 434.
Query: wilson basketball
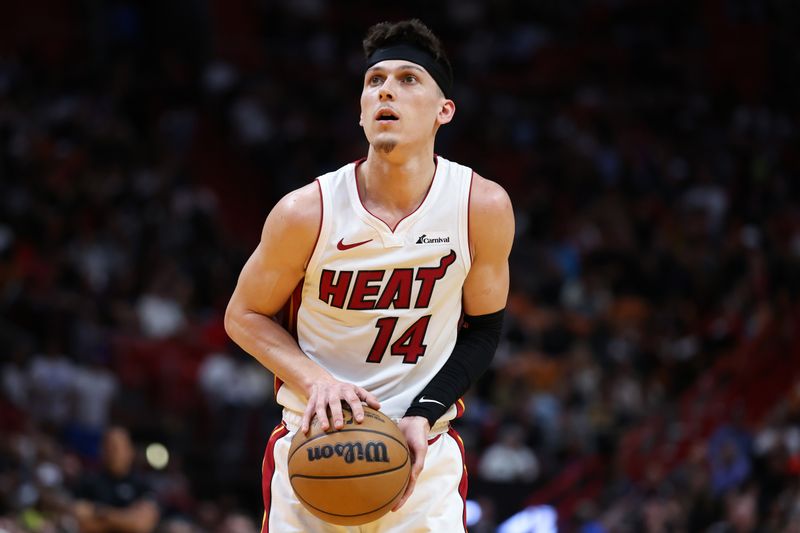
column 351, row 476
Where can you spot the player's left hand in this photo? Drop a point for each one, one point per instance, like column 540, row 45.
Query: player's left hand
column 415, row 429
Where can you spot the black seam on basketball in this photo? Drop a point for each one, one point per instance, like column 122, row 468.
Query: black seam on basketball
column 349, row 431
column 306, row 502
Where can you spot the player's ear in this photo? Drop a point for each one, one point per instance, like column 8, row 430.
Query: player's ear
column 446, row 111
column 361, row 119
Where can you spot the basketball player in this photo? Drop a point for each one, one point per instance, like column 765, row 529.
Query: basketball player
column 380, row 261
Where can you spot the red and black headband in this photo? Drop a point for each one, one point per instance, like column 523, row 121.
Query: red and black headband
column 437, row 69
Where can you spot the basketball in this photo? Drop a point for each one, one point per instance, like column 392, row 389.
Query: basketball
column 351, row 476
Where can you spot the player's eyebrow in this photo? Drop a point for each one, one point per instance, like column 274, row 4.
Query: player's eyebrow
column 404, row 66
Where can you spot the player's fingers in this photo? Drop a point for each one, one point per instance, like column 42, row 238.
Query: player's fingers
column 406, row 495
column 321, row 412
column 355, row 405
column 419, row 460
column 308, row 414
column 412, row 481
column 335, row 403
column 369, row 398
column 418, row 453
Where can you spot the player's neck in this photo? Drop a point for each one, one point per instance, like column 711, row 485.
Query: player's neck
column 396, row 183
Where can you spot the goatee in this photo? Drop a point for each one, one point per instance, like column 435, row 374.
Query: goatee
column 385, row 146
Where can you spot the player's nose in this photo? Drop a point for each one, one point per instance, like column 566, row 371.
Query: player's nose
column 386, row 92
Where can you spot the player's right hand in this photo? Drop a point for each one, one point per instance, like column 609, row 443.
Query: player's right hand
column 330, row 394
column 415, row 429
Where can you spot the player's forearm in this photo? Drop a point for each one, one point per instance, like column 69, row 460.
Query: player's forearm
column 273, row 347
column 471, row 356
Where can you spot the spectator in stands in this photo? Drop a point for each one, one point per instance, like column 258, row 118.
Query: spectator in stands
column 509, row 460
column 115, row 499
column 52, row 375
column 729, row 455
column 236, row 523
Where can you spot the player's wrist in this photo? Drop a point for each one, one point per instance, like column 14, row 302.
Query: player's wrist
column 414, row 419
column 429, row 411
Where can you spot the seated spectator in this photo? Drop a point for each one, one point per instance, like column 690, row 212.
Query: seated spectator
column 730, row 460
column 508, row 459
column 115, row 498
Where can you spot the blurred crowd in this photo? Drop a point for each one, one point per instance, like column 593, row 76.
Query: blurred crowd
column 649, row 373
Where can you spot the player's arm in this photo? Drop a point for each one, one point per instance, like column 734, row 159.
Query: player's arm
column 491, row 229
column 265, row 284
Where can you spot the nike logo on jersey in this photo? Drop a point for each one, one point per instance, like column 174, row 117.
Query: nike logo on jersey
column 429, row 400
column 342, row 246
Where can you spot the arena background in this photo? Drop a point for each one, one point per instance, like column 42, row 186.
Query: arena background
column 649, row 373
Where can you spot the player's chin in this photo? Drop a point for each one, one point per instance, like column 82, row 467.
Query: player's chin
column 388, row 135
column 385, row 143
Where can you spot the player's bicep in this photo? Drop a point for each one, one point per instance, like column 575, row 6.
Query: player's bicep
column 486, row 288
column 492, row 234
column 265, row 283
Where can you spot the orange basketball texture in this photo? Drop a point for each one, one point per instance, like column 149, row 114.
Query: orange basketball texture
column 351, row 476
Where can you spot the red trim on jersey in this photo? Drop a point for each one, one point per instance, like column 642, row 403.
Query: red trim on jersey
column 294, row 308
column 289, row 321
column 268, row 470
column 469, row 204
column 321, row 216
column 434, row 439
column 463, row 484
column 361, row 200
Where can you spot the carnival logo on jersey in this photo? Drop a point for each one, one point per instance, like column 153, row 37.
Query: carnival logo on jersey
column 433, row 238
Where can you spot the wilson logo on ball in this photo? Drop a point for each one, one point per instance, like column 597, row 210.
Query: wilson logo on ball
column 371, row 452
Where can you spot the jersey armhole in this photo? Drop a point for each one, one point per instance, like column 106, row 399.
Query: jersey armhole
column 322, row 234
column 463, row 220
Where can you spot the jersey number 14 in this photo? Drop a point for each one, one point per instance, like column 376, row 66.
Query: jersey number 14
column 410, row 345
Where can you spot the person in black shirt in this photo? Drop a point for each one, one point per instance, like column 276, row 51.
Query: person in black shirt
column 115, row 499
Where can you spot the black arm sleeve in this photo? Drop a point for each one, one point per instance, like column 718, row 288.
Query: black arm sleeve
column 472, row 354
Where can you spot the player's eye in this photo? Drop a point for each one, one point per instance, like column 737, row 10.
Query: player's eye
column 375, row 80
column 409, row 78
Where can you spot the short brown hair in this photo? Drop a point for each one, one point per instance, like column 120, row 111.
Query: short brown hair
column 413, row 32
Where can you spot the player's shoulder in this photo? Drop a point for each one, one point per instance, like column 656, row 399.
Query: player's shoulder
column 299, row 201
column 491, row 218
column 488, row 198
column 299, row 211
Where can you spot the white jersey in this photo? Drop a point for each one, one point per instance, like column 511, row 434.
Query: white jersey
column 379, row 306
